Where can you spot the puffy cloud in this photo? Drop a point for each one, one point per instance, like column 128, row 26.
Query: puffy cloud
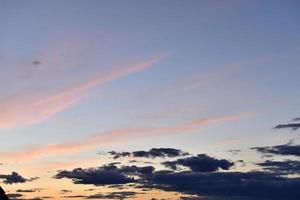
column 159, row 152
column 200, row 163
column 202, row 179
column 147, row 170
column 14, row 177
column 209, row 185
column 97, row 176
column 105, row 175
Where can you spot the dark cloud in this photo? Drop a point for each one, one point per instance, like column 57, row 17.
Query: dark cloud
column 228, row 185
column 65, row 191
column 33, row 179
column 26, row 191
column 147, row 162
column 117, row 186
column 200, row 163
column 281, row 167
column 296, row 119
column 201, row 178
column 36, row 62
column 74, row 196
column 113, row 195
column 105, row 175
column 119, row 154
column 18, row 196
column 14, row 177
column 159, row 152
column 14, row 195
column 98, row 176
column 133, row 170
column 152, row 153
column 91, row 189
column 285, row 149
column 293, row 126
column 191, row 198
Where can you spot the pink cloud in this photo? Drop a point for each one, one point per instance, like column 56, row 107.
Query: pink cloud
column 34, row 108
column 109, row 138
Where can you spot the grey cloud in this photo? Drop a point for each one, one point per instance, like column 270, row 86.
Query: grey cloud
column 285, row 149
column 152, row 153
column 200, row 163
column 14, row 177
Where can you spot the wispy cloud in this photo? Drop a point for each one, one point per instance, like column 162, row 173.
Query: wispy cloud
column 212, row 79
column 293, row 126
column 34, row 108
column 109, row 138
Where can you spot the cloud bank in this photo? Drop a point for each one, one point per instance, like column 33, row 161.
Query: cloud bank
column 202, row 176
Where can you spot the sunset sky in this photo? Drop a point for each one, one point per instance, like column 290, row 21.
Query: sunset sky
column 190, row 90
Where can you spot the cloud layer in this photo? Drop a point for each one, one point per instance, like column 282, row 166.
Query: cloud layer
column 198, row 175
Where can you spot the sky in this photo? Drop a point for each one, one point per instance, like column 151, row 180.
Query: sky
column 150, row 99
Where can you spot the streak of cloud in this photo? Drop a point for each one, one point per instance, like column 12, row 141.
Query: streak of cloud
column 19, row 110
column 292, row 126
column 109, row 138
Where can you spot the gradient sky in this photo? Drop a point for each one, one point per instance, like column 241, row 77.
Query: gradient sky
column 82, row 77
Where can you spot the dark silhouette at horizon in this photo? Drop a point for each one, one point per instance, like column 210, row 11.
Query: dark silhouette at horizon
column 3, row 196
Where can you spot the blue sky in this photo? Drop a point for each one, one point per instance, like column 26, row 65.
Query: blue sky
column 203, row 76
